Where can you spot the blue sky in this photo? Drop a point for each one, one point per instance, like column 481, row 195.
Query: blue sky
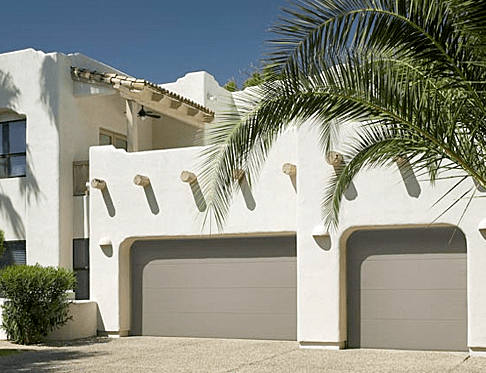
column 158, row 40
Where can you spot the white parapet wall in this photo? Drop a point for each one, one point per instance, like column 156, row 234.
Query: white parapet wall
column 82, row 325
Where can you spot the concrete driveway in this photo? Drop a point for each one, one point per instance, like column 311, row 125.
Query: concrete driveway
column 156, row 354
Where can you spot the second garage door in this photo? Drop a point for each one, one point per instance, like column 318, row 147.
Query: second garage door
column 407, row 289
column 227, row 288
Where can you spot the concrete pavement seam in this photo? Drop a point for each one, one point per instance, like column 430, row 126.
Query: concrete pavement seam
column 261, row 360
column 458, row 365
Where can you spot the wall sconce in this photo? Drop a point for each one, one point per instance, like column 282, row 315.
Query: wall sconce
column 482, row 227
column 188, row 177
column 105, row 241
column 98, row 184
column 289, row 169
column 141, row 180
column 320, row 231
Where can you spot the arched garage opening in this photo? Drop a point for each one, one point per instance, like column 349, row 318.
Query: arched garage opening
column 215, row 287
column 407, row 289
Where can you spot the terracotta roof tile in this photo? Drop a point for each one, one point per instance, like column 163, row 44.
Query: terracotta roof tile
column 130, row 83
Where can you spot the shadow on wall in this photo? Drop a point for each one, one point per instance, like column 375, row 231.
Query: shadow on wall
column 9, row 94
column 30, row 188
column 49, row 85
column 8, row 91
column 110, row 206
column 9, row 212
column 247, row 194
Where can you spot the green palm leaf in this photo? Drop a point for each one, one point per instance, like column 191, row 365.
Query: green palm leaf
column 409, row 74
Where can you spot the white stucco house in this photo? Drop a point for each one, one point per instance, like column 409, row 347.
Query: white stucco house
column 89, row 181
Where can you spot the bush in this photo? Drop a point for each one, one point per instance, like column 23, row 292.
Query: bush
column 36, row 301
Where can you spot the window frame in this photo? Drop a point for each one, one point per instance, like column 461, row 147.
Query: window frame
column 8, row 155
column 79, row 182
column 114, row 136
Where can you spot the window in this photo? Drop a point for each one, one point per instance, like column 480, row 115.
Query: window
column 14, row 253
column 115, row 139
column 81, row 266
column 80, row 177
column 12, row 149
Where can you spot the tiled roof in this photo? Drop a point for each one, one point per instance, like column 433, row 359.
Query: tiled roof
column 118, row 80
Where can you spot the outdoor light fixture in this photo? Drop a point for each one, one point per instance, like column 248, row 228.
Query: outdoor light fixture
column 320, row 231
column 105, row 241
column 482, row 226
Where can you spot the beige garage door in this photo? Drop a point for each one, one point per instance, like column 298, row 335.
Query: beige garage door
column 228, row 288
column 407, row 289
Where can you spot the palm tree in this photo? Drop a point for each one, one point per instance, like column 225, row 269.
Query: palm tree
column 409, row 74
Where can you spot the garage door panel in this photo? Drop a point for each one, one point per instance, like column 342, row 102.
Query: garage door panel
column 275, row 247
column 238, row 300
column 221, row 325
column 403, row 334
column 413, row 304
column 202, row 273
column 231, row 288
column 407, row 288
column 413, row 273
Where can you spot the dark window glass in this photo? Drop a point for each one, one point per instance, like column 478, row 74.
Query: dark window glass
column 1, row 142
column 81, row 177
column 82, row 291
column 14, row 253
column 105, row 139
column 17, row 137
column 120, row 144
column 17, row 165
column 12, row 149
column 81, row 266
column 115, row 139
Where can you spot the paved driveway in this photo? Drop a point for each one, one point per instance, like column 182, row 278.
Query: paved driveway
column 174, row 355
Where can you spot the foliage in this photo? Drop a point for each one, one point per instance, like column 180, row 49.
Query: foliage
column 411, row 75
column 36, row 301
column 254, row 77
column 257, row 77
column 2, row 242
column 231, row 85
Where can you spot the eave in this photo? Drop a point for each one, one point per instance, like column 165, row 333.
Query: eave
column 148, row 94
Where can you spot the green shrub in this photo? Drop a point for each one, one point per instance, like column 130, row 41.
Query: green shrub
column 2, row 242
column 36, row 301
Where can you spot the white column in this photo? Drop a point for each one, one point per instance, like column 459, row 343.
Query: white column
column 132, row 125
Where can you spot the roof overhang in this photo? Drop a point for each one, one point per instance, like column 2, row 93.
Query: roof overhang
column 148, row 94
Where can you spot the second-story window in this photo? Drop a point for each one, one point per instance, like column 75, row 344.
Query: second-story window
column 12, row 149
column 112, row 138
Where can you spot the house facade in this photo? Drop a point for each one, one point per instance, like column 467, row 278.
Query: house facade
column 100, row 175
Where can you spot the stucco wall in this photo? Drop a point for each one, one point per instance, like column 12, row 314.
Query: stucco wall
column 30, row 89
column 60, row 129
column 377, row 199
column 380, row 199
column 125, row 212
